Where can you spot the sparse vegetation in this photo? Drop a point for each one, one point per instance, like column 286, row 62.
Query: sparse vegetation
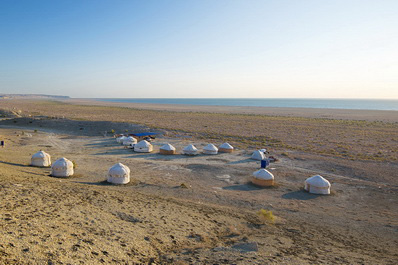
column 184, row 186
column 266, row 215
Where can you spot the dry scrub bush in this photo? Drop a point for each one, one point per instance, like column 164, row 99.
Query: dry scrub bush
column 266, row 215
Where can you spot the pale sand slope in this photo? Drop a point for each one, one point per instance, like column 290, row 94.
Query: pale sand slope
column 368, row 115
column 82, row 220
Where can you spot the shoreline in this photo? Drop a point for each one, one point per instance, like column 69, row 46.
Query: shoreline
column 345, row 114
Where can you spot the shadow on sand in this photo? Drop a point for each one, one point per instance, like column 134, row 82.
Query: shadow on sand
column 243, row 187
column 14, row 164
column 247, row 160
column 123, row 151
column 33, row 173
column 103, row 143
column 106, row 183
column 300, row 195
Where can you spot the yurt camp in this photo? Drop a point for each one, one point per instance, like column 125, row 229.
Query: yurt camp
column 41, row 159
column 190, row 150
column 167, row 149
column 120, row 139
column 129, row 141
column 62, row 168
column 119, row 174
column 143, row 147
column 225, row 148
column 258, row 155
column 210, row 149
column 263, row 178
column 317, row 185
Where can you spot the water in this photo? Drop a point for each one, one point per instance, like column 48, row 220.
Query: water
column 364, row 104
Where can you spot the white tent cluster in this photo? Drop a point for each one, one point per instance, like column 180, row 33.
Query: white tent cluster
column 210, row 149
column 62, row 168
column 118, row 174
column 167, row 149
column 263, row 178
column 225, row 148
column 143, row 147
column 317, row 185
column 41, row 159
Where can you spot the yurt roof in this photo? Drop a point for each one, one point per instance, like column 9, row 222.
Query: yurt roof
column 210, row 147
column 318, row 181
column 168, row 147
column 62, row 162
column 142, row 143
column 40, row 154
column 190, row 147
column 119, row 169
column 263, row 174
column 258, row 153
column 129, row 138
column 226, row 146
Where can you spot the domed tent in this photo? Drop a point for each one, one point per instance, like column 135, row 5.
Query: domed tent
column 143, row 147
column 167, row 149
column 317, row 185
column 258, row 155
column 119, row 174
column 62, row 168
column 210, row 149
column 225, row 148
column 263, row 178
column 41, row 159
column 120, row 139
column 190, row 150
column 129, row 141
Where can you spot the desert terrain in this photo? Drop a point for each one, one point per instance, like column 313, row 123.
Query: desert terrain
column 197, row 210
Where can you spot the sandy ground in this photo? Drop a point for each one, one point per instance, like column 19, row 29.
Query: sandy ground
column 368, row 115
column 154, row 220
column 82, row 220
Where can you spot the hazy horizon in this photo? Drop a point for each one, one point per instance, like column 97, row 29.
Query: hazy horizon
column 200, row 49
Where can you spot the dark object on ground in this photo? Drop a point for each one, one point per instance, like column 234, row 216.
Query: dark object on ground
column 148, row 136
column 272, row 159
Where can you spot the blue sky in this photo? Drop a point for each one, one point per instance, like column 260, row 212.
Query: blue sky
column 200, row 48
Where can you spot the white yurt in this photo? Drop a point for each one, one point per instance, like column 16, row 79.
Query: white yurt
column 129, row 141
column 120, row 139
column 210, row 149
column 119, row 174
column 62, row 168
column 225, row 148
column 41, row 159
column 143, row 147
column 258, row 155
column 167, row 149
column 317, row 185
column 190, row 150
column 263, row 178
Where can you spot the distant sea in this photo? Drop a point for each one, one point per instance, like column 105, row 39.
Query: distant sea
column 362, row 104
